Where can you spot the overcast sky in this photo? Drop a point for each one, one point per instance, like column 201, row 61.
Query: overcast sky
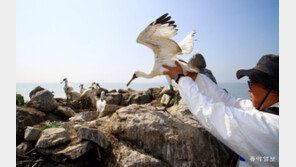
column 89, row 41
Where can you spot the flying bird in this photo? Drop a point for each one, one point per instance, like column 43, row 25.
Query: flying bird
column 157, row 36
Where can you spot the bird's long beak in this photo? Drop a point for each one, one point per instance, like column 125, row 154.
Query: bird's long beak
column 62, row 82
column 134, row 77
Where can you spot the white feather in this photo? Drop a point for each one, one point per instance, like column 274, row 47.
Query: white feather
column 157, row 36
column 187, row 43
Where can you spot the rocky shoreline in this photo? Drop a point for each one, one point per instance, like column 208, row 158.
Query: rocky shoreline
column 134, row 130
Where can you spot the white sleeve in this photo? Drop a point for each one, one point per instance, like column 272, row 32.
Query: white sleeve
column 220, row 95
column 247, row 132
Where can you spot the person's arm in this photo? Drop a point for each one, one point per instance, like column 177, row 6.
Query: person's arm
column 247, row 132
column 220, row 95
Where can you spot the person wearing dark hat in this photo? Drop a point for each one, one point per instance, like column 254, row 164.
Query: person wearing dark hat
column 198, row 61
column 249, row 127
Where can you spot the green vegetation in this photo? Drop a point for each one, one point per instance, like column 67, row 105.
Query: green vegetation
column 175, row 100
column 54, row 125
column 81, row 122
column 20, row 100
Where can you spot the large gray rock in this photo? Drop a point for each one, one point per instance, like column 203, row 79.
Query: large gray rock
column 126, row 100
column 122, row 91
column 27, row 117
column 32, row 134
column 77, row 150
column 113, row 98
column 35, row 90
column 126, row 156
column 135, row 97
column 154, row 92
column 112, row 91
column 43, row 100
column 22, row 148
column 89, row 115
column 65, row 112
column 94, row 135
column 70, row 151
column 165, row 99
column 182, row 112
column 85, row 116
column 165, row 136
column 109, row 109
column 141, row 98
column 52, row 137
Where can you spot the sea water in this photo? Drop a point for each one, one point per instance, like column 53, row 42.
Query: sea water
column 236, row 89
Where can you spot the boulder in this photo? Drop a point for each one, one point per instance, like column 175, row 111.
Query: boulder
column 164, row 136
column 122, row 91
column 112, row 91
column 85, row 116
column 182, row 112
column 27, row 117
column 109, row 109
column 165, row 99
column 89, row 115
column 22, row 148
column 75, row 151
column 94, row 135
column 126, row 99
column 92, row 124
column 85, row 103
column 65, row 112
column 153, row 92
column 141, row 98
column 35, row 90
column 70, row 151
column 113, row 98
column 77, row 126
column 52, row 137
column 77, row 118
column 32, row 134
column 126, row 156
column 43, row 100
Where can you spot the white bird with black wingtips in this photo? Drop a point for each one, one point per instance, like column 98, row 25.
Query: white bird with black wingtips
column 157, row 36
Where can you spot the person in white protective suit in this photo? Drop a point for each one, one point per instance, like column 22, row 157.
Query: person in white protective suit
column 249, row 127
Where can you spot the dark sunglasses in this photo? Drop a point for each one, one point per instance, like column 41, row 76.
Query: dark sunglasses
column 250, row 84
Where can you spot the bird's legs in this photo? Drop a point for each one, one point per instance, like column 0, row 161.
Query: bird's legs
column 172, row 91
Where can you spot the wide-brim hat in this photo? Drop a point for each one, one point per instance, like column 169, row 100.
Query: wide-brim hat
column 197, row 61
column 265, row 72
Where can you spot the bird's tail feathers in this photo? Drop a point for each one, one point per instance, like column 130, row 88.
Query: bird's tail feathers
column 186, row 44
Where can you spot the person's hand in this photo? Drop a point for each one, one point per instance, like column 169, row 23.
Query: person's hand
column 192, row 75
column 173, row 71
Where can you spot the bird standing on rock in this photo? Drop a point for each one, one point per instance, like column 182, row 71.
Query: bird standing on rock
column 81, row 88
column 101, row 103
column 69, row 91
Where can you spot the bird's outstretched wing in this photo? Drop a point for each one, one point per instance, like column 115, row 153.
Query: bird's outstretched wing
column 187, row 43
column 157, row 36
